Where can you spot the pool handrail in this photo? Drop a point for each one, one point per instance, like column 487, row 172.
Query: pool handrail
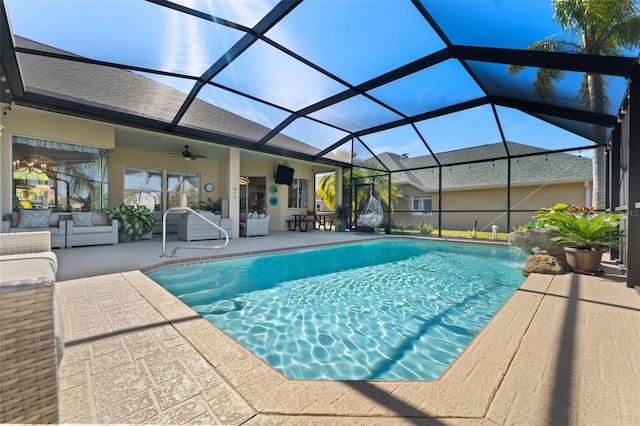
column 201, row 217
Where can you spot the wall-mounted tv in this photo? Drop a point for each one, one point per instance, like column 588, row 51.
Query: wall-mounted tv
column 284, row 175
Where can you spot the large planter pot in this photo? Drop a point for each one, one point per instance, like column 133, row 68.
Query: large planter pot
column 583, row 260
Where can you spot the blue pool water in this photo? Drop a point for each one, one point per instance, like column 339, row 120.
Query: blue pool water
column 390, row 309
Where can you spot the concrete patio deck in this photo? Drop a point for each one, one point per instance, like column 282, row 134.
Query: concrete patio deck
column 563, row 350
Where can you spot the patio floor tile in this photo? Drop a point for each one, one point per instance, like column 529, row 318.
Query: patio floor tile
column 563, row 350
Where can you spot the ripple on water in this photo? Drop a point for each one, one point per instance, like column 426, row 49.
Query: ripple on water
column 402, row 311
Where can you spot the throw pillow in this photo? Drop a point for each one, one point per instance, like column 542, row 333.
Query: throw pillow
column 34, row 219
column 100, row 219
column 82, row 218
column 15, row 219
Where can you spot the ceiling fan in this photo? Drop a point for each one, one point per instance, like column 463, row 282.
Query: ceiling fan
column 188, row 155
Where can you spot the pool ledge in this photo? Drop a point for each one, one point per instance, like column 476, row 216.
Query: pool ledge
column 150, row 359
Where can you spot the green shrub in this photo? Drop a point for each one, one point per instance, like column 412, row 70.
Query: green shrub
column 210, row 205
column 425, row 228
column 133, row 221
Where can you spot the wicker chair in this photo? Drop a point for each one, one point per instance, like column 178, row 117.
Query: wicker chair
column 57, row 226
column 252, row 226
column 101, row 231
column 31, row 339
column 192, row 228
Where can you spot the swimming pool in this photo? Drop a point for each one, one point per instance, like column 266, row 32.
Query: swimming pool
column 389, row 309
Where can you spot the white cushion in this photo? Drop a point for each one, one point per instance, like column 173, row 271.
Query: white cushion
column 99, row 218
column 92, row 229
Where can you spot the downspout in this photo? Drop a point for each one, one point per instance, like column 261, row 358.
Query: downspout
column 587, row 193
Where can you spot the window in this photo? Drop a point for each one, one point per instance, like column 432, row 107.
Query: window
column 58, row 176
column 298, row 194
column 422, row 205
column 160, row 189
column 143, row 187
column 182, row 190
column 252, row 194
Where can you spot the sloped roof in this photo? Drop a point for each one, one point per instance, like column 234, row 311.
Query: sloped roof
column 467, row 174
column 136, row 98
column 304, row 79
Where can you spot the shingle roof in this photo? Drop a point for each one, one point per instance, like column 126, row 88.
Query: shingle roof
column 126, row 92
column 538, row 169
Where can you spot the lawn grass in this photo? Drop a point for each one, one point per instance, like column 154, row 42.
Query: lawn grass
column 453, row 233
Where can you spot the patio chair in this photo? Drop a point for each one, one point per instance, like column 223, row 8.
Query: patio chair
column 31, row 338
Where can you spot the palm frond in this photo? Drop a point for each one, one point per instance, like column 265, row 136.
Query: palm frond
column 514, row 69
column 554, row 45
column 586, row 230
column 626, row 33
column 545, row 79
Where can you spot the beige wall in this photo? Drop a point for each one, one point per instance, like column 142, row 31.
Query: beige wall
column 266, row 168
column 216, row 171
column 56, row 127
column 61, row 128
column 33, row 123
column 210, row 170
column 522, row 198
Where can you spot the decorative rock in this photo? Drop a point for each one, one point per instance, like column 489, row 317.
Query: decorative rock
column 538, row 237
column 543, row 264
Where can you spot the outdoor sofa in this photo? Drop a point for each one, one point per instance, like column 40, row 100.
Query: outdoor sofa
column 90, row 229
column 37, row 221
column 66, row 229
column 253, row 224
column 31, row 332
column 192, row 228
column 172, row 222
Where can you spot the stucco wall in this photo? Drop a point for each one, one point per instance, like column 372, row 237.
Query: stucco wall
column 33, row 123
column 214, row 170
column 522, row 198
column 61, row 128
column 119, row 158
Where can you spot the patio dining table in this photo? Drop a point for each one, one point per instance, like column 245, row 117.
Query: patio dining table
column 318, row 219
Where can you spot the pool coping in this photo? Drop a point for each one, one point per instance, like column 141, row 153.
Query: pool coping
column 482, row 386
column 465, row 389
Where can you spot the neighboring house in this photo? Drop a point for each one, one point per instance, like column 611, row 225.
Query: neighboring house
column 536, row 181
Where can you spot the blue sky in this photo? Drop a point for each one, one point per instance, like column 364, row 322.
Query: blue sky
column 354, row 40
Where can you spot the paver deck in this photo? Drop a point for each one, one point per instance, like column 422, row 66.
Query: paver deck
column 563, row 350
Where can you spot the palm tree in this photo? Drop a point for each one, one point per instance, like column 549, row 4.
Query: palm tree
column 327, row 190
column 387, row 195
column 603, row 27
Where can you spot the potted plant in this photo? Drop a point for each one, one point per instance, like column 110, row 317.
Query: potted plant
column 133, row 221
column 342, row 216
column 537, row 235
column 585, row 235
column 214, row 206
